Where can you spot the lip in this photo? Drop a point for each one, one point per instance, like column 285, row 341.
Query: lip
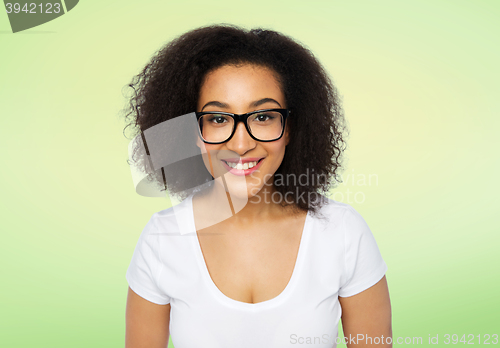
column 242, row 172
column 242, row 160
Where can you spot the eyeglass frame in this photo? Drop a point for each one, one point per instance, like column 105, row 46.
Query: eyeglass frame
column 242, row 118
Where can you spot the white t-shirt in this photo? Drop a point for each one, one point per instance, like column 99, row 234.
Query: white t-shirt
column 338, row 256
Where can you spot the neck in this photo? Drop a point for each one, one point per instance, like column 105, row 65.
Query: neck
column 218, row 205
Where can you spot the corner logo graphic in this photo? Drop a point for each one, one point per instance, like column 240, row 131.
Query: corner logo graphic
column 28, row 14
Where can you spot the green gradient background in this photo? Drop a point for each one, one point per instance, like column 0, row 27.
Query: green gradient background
column 420, row 82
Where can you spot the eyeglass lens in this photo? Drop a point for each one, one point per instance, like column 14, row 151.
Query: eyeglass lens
column 266, row 125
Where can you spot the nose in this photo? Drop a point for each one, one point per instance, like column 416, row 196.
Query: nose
column 241, row 142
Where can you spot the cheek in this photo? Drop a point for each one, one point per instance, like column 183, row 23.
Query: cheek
column 207, row 153
column 277, row 150
column 211, row 154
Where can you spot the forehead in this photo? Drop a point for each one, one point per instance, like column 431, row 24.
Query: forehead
column 240, row 84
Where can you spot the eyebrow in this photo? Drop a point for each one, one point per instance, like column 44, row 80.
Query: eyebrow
column 253, row 104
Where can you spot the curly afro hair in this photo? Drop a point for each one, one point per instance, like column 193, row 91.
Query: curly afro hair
column 169, row 86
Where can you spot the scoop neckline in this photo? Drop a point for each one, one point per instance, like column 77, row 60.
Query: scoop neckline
column 299, row 261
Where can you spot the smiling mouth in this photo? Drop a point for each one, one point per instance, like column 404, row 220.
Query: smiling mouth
column 240, row 165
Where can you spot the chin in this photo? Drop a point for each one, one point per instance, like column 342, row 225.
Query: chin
column 243, row 194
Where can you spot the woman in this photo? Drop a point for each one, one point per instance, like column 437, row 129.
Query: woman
column 254, row 255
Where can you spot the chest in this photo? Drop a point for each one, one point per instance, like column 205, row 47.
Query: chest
column 252, row 266
column 205, row 273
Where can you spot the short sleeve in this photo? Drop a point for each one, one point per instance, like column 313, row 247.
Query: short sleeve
column 364, row 265
column 145, row 266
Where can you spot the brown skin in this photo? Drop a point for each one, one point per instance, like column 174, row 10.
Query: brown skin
column 251, row 255
column 241, row 252
column 368, row 313
column 235, row 89
column 146, row 323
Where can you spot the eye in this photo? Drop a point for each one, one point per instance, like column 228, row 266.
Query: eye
column 264, row 117
column 217, row 119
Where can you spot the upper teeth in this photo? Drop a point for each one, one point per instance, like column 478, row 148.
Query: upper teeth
column 240, row 165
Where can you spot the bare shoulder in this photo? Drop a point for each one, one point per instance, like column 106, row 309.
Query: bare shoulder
column 147, row 323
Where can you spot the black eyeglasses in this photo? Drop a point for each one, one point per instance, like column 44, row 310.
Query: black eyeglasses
column 216, row 127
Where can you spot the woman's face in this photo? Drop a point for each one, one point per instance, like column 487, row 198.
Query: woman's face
column 238, row 90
